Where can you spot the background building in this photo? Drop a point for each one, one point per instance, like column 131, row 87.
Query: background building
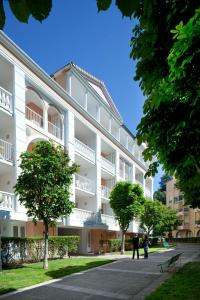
column 75, row 110
column 189, row 218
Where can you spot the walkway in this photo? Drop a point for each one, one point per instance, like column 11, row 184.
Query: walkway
column 124, row 279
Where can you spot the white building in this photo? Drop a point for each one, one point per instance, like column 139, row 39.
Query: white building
column 74, row 109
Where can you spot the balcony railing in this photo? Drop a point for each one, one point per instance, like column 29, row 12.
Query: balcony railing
column 34, row 117
column 108, row 165
column 6, row 150
column 6, row 99
column 109, row 220
column 55, row 130
column 139, row 182
column 82, row 214
column 105, row 192
column 147, row 192
column 6, row 201
column 84, row 184
column 85, row 150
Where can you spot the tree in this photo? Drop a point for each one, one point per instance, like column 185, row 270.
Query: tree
column 157, row 218
column 165, row 43
column 43, row 186
column 23, row 9
column 160, row 194
column 126, row 200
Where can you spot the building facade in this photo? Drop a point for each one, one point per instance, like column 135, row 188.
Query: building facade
column 189, row 218
column 75, row 110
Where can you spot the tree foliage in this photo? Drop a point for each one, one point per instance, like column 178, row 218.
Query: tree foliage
column 23, row 9
column 157, row 218
column 126, row 200
column 43, row 185
column 166, row 45
column 160, row 194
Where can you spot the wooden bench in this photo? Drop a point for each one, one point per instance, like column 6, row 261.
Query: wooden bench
column 170, row 263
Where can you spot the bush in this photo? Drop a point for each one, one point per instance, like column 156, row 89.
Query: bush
column 115, row 245
column 185, row 240
column 16, row 250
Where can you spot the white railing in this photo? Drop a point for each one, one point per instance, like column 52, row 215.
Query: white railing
column 55, row 130
column 109, row 220
column 5, row 99
column 6, row 201
column 85, row 150
column 108, row 165
column 147, row 192
column 34, row 117
column 84, row 184
column 105, row 192
column 6, row 150
column 139, row 182
column 82, row 214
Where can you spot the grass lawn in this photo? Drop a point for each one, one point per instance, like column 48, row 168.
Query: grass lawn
column 151, row 250
column 185, row 284
column 29, row 274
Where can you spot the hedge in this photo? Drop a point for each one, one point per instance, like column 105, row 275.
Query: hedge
column 185, row 240
column 114, row 245
column 16, row 250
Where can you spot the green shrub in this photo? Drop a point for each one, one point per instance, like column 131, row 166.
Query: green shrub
column 115, row 245
column 185, row 240
column 15, row 250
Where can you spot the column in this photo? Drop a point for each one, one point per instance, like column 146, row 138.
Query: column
column 98, row 173
column 19, row 117
column 86, row 99
column 117, row 166
column 45, row 116
column 68, row 83
column 69, row 143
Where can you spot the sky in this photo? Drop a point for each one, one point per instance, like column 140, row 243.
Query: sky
column 97, row 42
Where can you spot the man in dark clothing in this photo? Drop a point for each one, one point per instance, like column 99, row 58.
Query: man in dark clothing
column 135, row 241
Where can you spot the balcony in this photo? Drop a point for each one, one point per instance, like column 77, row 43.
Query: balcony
column 184, row 226
column 105, row 192
column 34, row 117
column 148, row 192
column 84, row 184
column 110, row 221
column 55, row 130
column 6, row 201
column 6, row 151
column 107, row 165
column 6, row 100
column 78, row 217
column 84, row 150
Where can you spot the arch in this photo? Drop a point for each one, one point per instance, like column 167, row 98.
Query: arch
column 189, row 233
column 198, row 233
column 178, row 234
column 34, row 139
column 55, row 121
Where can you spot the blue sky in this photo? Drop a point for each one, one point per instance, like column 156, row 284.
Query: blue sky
column 97, row 42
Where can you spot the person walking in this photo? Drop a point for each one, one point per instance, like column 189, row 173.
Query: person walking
column 146, row 246
column 135, row 241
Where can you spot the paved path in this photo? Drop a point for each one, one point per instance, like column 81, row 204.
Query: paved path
column 124, row 279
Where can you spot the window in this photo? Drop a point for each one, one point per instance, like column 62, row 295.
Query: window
column 180, row 197
column 15, row 231
column 175, row 199
column 22, row 231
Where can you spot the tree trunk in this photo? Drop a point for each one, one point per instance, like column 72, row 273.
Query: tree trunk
column 45, row 262
column 123, row 243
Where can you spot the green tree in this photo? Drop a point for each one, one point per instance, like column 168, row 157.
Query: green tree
column 126, row 200
column 43, row 186
column 156, row 218
column 165, row 43
column 160, row 194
